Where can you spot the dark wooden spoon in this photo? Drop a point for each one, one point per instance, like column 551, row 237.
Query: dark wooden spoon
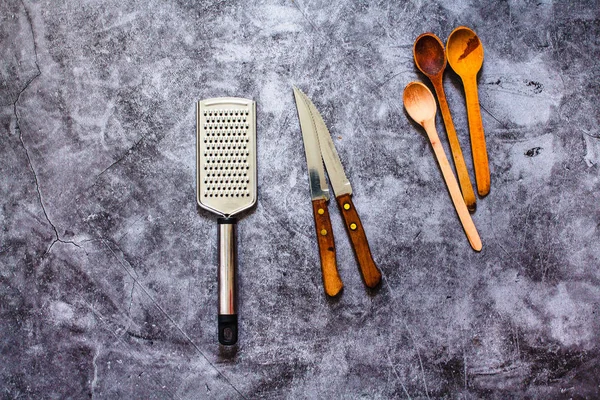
column 430, row 58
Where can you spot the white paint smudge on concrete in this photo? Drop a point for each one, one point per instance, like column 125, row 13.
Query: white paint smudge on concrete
column 61, row 312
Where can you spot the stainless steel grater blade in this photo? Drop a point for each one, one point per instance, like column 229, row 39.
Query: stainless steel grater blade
column 226, row 185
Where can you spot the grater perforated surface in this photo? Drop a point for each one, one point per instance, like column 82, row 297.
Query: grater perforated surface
column 226, row 154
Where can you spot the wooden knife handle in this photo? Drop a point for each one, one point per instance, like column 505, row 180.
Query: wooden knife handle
column 331, row 279
column 370, row 273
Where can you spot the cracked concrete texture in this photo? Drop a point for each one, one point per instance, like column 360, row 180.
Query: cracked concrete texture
column 108, row 267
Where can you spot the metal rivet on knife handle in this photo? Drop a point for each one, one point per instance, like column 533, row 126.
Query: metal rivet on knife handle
column 323, row 232
column 347, row 206
column 353, row 226
column 321, row 211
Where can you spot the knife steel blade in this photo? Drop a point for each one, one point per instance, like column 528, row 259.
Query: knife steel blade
column 335, row 170
column 314, row 161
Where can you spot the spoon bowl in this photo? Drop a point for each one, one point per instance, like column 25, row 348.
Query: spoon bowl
column 429, row 54
column 465, row 52
column 419, row 102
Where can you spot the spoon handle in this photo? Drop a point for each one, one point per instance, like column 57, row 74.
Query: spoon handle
column 478, row 148
column 459, row 161
column 452, row 184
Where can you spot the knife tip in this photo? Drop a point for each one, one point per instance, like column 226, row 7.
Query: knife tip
column 298, row 94
column 298, row 90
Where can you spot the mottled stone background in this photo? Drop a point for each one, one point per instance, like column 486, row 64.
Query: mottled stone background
column 108, row 267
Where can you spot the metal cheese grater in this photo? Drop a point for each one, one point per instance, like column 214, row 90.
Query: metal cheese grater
column 226, row 185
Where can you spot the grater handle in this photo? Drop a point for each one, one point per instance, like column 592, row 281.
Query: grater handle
column 331, row 278
column 369, row 270
column 227, row 320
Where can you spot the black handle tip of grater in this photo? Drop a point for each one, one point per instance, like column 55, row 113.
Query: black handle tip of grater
column 227, row 220
column 228, row 329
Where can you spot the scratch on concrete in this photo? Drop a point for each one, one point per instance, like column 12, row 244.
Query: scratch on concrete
column 107, row 243
column 20, row 134
column 95, row 380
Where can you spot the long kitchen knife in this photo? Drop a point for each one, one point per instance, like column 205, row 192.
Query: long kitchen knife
column 320, row 197
column 343, row 192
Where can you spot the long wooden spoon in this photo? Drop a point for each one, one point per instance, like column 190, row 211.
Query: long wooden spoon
column 420, row 105
column 465, row 56
column 430, row 58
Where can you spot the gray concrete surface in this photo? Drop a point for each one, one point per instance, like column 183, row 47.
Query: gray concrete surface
column 108, row 267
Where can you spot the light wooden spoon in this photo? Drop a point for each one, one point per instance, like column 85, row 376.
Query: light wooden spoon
column 420, row 105
column 465, row 56
column 430, row 58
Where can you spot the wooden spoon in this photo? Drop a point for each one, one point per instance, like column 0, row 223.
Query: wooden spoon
column 465, row 56
column 420, row 105
column 430, row 58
